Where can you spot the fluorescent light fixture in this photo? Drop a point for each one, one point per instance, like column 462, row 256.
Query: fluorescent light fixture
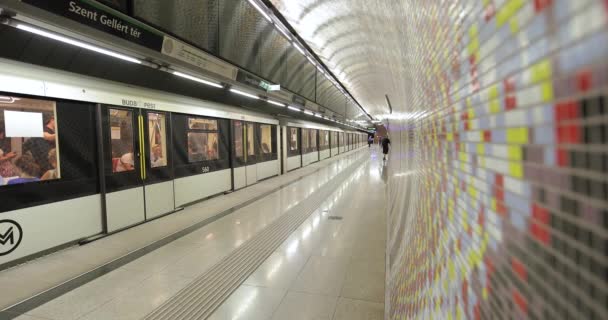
column 263, row 12
column 311, row 60
column 318, row 115
column 284, row 32
column 299, row 48
column 320, row 69
column 4, row 99
column 309, row 112
column 249, row 95
column 276, row 103
column 76, row 43
column 294, row 108
column 199, row 80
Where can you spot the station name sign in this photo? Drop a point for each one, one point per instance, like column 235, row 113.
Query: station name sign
column 103, row 18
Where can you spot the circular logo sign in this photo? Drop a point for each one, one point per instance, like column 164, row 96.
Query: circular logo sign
column 168, row 46
column 10, row 236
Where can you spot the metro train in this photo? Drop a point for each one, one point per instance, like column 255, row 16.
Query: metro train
column 82, row 157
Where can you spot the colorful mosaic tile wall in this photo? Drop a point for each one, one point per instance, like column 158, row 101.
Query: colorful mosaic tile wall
column 499, row 173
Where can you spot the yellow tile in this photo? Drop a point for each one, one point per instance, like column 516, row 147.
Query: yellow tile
column 473, row 31
column 481, row 148
column 517, row 135
column 547, row 91
column 515, row 153
column 516, row 169
column 514, row 25
column 495, row 106
column 493, row 92
column 541, row 71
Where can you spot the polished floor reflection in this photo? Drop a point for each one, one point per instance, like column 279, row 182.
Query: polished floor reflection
column 331, row 267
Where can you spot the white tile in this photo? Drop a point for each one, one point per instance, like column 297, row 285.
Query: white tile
column 249, row 303
column 139, row 301
column 364, row 280
column 89, row 296
column 304, row 306
column 197, row 261
column 348, row 309
column 278, row 271
column 321, row 275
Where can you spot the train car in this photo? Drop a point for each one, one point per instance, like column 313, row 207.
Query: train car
column 85, row 157
column 307, row 142
column 255, row 149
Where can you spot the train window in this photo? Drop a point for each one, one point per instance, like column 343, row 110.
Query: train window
column 202, row 146
column 238, row 139
column 293, row 139
column 202, row 124
column 202, row 140
column 28, row 141
column 121, row 135
column 305, row 140
column 157, row 129
column 266, row 143
column 250, row 139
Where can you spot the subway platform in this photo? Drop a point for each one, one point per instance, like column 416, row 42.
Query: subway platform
column 306, row 245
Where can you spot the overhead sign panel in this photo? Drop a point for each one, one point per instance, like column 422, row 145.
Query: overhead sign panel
column 105, row 19
column 196, row 57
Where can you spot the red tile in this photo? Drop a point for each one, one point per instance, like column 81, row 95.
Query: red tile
column 539, row 5
column 541, row 214
column 584, row 80
column 568, row 134
column 509, row 85
column 520, row 301
column 563, row 159
column 510, row 102
column 519, row 269
column 487, row 135
column 499, row 180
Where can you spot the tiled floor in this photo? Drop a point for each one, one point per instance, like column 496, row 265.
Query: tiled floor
column 327, row 269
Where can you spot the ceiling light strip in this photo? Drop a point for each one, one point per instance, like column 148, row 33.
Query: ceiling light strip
column 276, row 103
column 245, row 94
column 76, row 43
column 199, row 80
column 294, row 108
column 260, row 10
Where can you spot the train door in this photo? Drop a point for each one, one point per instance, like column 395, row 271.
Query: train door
column 245, row 154
column 138, row 178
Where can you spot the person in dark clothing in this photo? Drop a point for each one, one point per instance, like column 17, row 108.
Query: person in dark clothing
column 29, row 170
column 39, row 147
column 385, row 146
column 370, row 140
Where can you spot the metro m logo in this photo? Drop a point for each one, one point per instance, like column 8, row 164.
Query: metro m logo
column 4, row 238
column 10, row 236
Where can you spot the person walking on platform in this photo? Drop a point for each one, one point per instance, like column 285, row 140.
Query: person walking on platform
column 370, row 140
column 385, row 146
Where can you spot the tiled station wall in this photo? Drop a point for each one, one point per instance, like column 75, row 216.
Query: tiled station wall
column 499, row 170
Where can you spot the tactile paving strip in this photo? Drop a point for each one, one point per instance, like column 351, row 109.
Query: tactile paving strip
column 200, row 298
column 505, row 158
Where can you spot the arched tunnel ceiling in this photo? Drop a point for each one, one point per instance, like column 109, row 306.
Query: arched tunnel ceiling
column 363, row 42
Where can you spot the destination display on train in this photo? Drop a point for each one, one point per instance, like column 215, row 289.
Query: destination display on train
column 104, row 19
